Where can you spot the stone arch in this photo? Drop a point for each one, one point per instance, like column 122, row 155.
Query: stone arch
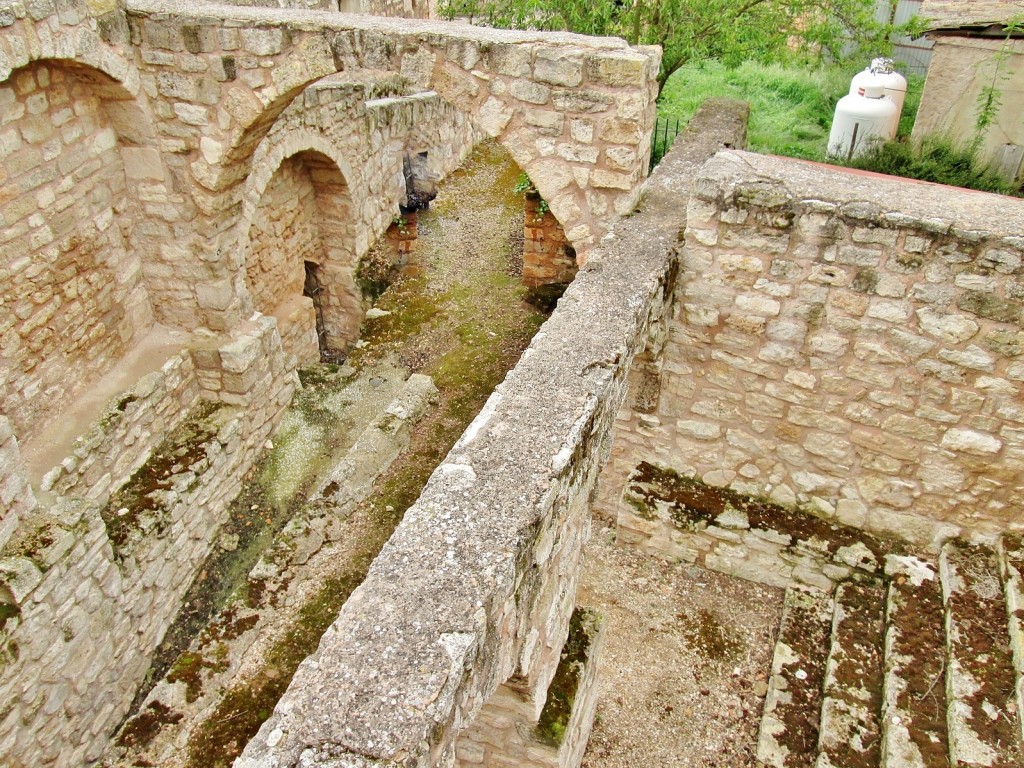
column 297, row 231
column 574, row 112
column 77, row 294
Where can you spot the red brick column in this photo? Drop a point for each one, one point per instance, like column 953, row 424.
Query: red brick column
column 548, row 259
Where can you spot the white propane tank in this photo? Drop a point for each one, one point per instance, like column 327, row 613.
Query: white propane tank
column 895, row 85
column 861, row 120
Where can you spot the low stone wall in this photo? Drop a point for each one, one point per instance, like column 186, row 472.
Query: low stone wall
column 846, row 341
column 121, row 439
column 85, row 582
column 476, row 586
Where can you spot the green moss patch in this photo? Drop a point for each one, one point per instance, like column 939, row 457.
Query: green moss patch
column 584, row 626
column 139, row 508
column 693, row 506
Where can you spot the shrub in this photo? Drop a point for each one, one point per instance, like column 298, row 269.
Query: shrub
column 936, row 159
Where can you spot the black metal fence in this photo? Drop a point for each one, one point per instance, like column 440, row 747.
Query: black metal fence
column 665, row 131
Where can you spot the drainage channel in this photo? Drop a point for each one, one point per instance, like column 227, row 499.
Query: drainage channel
column 356, row 446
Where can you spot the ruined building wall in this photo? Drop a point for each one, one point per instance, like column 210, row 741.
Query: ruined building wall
column 284, row 235
column 352, row 148
column 844, row 341
column 87, row 581
column 93, row 568
column 71, row 290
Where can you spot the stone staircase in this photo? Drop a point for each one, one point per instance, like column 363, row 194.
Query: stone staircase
column 886, row 657
column 920, row 666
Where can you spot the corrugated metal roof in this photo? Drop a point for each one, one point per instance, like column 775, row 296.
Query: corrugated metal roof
column 956, row 14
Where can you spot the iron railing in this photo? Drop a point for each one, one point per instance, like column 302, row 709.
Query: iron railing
column 665, row 131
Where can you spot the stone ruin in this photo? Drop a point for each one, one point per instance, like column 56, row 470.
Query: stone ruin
column 779, row 370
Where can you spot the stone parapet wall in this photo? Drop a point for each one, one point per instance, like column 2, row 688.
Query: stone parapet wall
column 121, row 439
column 455, row 605
column 848, row 342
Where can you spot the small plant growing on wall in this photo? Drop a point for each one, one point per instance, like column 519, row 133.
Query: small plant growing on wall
column 401, row 224
column 990, row 99
column 524, row 186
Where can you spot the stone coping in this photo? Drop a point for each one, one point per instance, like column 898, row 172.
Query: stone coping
column 775, row 181
column 328, row 20
column 416, row 650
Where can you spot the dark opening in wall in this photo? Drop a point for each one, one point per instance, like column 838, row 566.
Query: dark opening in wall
column 313, row 288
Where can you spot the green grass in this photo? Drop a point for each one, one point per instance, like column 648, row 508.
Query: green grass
column 791, row 108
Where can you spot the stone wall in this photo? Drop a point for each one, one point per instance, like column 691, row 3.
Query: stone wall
column 84, row 582
column 119, row 441
column 71, row 289
column 547, row 256
column 283, row 236
column 351, row 143
column 410, row 9
column 476, row 586
column 848, row 342
column 16, row 498
column 573, row 111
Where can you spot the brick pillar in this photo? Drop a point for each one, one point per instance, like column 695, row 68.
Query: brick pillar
column 401, row 235
column 548, row 259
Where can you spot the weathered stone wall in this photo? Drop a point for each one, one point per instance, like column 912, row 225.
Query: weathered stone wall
column 283, row 236
column 85, row 582
column 409, row 9
column 476, row 585
column 547, row 256
column 847, row 342
column 71, row 290
column 573, row 111
column 352, row 147
column 16, row 498
column 116, row 444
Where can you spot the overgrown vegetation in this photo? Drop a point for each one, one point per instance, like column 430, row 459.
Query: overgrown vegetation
column 791, row 107
column 938, row 160
column 731, row 31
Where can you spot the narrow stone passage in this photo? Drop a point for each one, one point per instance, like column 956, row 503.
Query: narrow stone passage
column 455, row 313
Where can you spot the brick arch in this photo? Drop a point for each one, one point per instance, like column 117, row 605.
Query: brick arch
column 297, row 227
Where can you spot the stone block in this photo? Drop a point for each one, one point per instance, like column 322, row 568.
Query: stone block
column 529, row 91
column 558, row 67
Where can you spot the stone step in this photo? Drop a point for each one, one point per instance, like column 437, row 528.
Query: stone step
column 914, row 730
column 792, row 710
column 984, row 729
column 850, row 730
column 1011, row 552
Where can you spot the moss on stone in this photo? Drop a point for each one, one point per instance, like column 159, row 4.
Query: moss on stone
column 584, row 625
column 138, row 509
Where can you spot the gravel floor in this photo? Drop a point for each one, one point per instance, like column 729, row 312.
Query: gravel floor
column 685, row 664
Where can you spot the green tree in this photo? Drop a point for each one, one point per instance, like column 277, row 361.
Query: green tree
column 730, row 31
